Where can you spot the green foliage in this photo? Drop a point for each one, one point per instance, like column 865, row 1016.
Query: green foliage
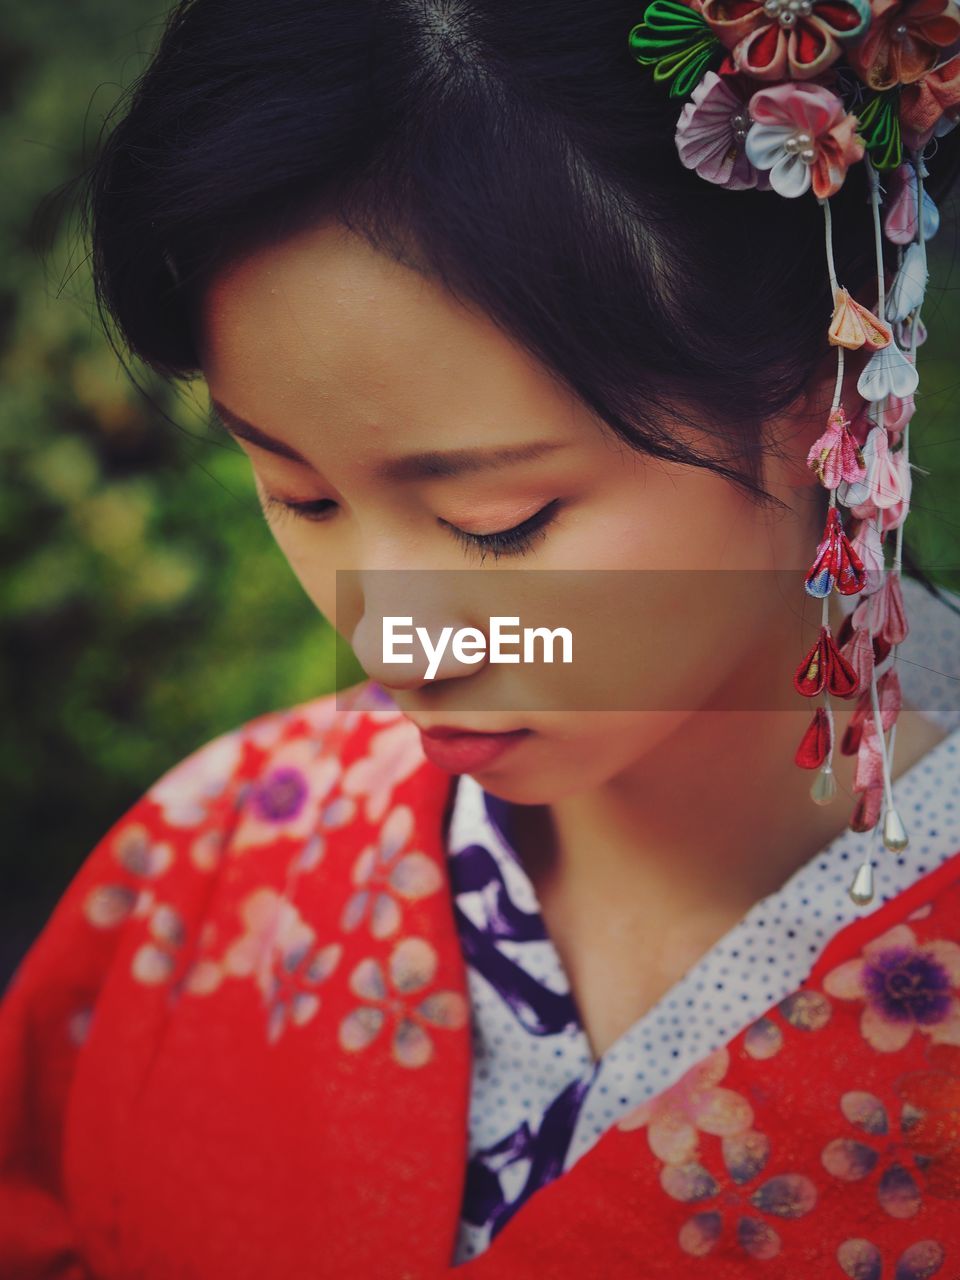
column 145, row 605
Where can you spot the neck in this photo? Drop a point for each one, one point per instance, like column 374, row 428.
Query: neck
column 717, row 816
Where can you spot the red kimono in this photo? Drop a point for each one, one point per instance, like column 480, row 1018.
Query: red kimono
column 205, row 1076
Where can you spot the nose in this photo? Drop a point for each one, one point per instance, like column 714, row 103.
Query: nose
column 394, row 605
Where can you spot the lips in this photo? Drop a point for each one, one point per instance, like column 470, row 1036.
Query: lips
column 462, row 751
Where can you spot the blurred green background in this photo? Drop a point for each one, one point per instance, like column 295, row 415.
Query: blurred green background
column 145, row 607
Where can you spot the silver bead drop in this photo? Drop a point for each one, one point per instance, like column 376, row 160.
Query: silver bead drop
column 861, row 890
column 895, row 836
column 824, row 788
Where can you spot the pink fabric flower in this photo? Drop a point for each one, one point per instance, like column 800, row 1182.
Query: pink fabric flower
column 866, row 813
column 889, row 477
column 868, row 545
column 900, row 219
column 711, row 132
column 860, row 423
column 882, row 487
column 858, row 651
column 883, row 613
column 897, row 512
column 803, row 134
column 868, row 775
column 897, row 412
column 836, row 456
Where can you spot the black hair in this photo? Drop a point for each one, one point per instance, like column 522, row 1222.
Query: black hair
column 518, row 154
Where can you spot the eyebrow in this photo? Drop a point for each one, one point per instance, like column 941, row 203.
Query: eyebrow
column 413, row 466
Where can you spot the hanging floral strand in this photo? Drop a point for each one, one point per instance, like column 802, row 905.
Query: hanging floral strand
column 758, row 117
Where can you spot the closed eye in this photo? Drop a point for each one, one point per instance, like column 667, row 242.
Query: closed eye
column 514, row 541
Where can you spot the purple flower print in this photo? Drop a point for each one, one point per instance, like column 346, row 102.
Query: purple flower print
column 281, row 795
column 906, row 986
column 285, row 800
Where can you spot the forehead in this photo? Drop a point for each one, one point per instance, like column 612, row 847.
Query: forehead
column 323, row 318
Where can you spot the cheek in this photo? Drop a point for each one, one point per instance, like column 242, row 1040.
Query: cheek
column 680, row 518
column 648, row 639
column 316, row 574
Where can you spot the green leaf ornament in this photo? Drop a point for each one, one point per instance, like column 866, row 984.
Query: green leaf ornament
column 676, row 41
column 880, row 129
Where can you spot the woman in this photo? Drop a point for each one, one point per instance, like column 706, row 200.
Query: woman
column 499, row 969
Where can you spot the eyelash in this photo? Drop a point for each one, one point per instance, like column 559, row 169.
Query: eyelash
column 516, row 541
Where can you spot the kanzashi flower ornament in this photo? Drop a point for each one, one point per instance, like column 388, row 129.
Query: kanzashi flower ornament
column 853, row 326
column 910, row 285
column 779, row 38
column 804, row 136
column 904, row 41
column 930, row 107
column 675, row 40
column 900, row 221
column 784, row 98
column 825, row 667
column 835, row 455
column 837, row 565
column 711, row 132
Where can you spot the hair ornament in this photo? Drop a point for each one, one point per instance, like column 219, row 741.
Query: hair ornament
column 853, row 326
column 787, row 96
column 836, row 456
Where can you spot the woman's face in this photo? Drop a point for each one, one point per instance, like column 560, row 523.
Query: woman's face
column 416, row 429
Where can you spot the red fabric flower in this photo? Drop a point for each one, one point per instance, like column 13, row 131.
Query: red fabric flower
column 836, row 565
column 798, row 39
column 825, row 667
column 815, row 744
column 925, row 102
column 904, row 40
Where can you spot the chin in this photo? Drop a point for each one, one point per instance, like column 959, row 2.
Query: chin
column 542, row 785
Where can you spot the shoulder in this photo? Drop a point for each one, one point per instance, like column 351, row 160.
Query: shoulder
column 241, row 808
column 267, row 778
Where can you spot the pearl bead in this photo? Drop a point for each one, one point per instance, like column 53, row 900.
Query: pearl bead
column 899, row 31
column 808, row 155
